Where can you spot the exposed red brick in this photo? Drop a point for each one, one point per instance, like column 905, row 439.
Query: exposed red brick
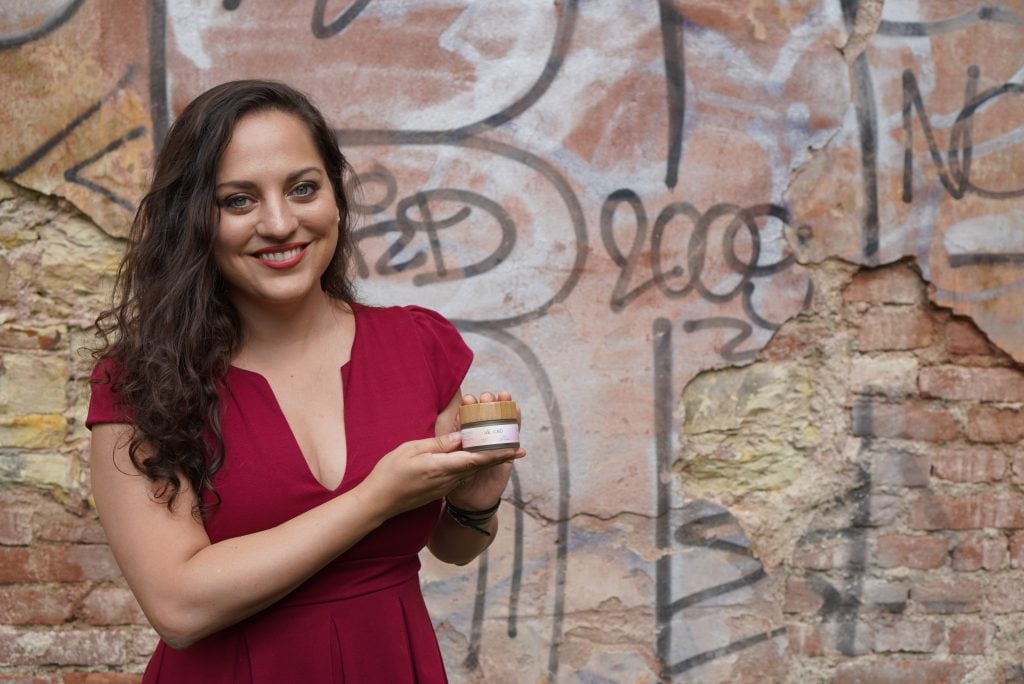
column 884, row 595
column 963, row 337
column 16, row 337
column 947, row 596
column 969, row 464
column 112, row 606
column 894, row 330
column 806, row 640
column 1003, row 594
column 975, row 553
column 909, row 636
column 794, row 342
column 909, row 420
column 801, row 596
column 898, row 284
column 40, row 604
column 959, row 383
column 900, row 469
column 57, row 563
column 993, row 425
column 91, row 647
column 15, row 527
column 968, row 638
column 1017, row 550
column 60, row 525
column 932, row 512
column 48, row 519
column 884, row 509
column 15, row 678
column 901, row 672
column 101, row 678
column 1017, row 468
column 921, row 553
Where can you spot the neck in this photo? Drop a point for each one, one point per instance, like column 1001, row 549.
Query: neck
column 287, row 326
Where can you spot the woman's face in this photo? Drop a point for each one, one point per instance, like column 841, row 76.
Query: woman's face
column 277, row 219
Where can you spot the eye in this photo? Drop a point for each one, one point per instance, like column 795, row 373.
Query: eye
column 236, row 202
column 305, row 189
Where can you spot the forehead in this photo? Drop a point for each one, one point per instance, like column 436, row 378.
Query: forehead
column 268, row 139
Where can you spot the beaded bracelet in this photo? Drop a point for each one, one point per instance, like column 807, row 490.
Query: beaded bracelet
column 472, row 519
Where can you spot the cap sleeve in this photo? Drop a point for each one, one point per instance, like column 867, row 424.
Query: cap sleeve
column 446, row 354
column 104, row 403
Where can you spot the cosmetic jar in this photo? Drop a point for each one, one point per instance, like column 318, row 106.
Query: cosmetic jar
column 489, row 425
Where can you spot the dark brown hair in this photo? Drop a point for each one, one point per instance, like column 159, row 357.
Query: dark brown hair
column 171, row 333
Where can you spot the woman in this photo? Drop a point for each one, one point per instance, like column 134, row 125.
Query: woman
column 265, row 507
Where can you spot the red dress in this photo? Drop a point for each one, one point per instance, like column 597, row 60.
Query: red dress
column 361, row 618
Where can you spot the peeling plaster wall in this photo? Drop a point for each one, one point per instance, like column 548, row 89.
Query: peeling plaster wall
column 753, row 268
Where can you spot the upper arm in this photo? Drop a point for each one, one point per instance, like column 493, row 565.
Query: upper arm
column 150, row 543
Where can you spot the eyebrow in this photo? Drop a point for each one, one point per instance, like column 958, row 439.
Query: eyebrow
column 292, row 177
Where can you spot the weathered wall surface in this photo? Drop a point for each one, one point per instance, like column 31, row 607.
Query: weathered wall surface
column 754, row 270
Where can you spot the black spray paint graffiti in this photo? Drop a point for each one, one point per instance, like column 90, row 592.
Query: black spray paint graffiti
column 46, row 24
column 700, row 527
column 742, row 221
column 72, row 174
column 406, row 226
column 843, row 604
column 415, row 213
column 675, row 85
column 955, row 178
column 468, row 137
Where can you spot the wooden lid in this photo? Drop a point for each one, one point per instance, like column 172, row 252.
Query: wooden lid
column 491, row 410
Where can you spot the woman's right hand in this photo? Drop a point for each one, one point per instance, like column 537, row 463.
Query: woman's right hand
column 418, row 472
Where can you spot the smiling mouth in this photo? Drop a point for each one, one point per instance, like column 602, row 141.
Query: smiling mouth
column 284, row 255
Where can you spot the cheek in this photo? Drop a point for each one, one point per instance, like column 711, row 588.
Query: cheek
column 228, row 241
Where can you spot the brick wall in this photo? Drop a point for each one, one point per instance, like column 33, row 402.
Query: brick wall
column 915, row 573
column 65, row 610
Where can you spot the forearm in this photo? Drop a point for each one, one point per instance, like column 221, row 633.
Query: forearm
column 224, row 583
column 458, row 544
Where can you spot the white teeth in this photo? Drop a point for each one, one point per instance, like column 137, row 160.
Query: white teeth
column 280, row 256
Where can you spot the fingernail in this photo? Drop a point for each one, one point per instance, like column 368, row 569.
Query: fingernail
column 454, row 437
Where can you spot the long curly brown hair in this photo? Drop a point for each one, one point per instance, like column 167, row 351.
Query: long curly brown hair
column 170, row 335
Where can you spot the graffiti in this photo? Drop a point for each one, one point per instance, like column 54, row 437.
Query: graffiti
column 675, row 85
column 566, row 220
column 21, row 32
column 407, row 227
column 900, row 143
column 917, row 29
column 322, row 30
column 740, row 221
column 28, row 162
column 956, row 179
column 696, row 253
column 699, row 525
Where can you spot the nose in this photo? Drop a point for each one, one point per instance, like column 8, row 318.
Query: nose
column 277, row 219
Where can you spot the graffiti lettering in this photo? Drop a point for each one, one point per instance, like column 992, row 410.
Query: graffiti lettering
column 408, row 227
column 956, row 178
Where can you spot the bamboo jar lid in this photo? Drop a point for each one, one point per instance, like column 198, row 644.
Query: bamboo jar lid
column 491, row 410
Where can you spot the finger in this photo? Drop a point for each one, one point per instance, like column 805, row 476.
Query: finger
column 486, row 397
column 468, row 399
column 504, row 395
column 493, row 457
column 443, row 443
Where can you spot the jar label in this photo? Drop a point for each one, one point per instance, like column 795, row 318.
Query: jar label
column 489, row 435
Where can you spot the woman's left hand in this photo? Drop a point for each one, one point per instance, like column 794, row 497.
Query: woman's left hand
column 482, row 489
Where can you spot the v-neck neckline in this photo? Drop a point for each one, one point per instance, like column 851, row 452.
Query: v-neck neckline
column 343, row 372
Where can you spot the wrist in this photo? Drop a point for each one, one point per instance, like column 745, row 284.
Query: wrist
column 371, row 506
column 482, row 521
